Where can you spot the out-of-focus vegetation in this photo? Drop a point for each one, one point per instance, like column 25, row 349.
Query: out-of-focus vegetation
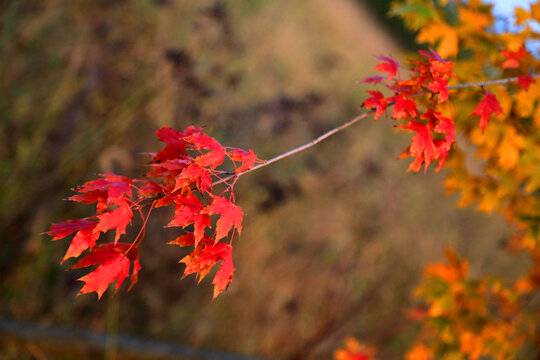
column 334, row 238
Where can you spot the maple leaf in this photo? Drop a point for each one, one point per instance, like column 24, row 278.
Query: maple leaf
column 525, row 81
column 377, row 101
column 231, row 215
column 187, row 212
column 201, row 260
column 422, row 145
column 224, row 276
column 448, row 45
column 486, row 107
column 118, row 218
column 403, row 108
column 61, row 230
column 513, row 57
column 184, row 240
column 388, row 65
column 84, row 239
column 439, row 86
column 114, row 185
column 203, row 141
column 97, row 196
column 247, row 158
column 113, row 266
column 176, row 144
column 194, row 173
column 211, row 159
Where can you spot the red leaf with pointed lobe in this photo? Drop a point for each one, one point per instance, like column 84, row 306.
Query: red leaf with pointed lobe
column 422, row 145
column 84, row 239
column 211, row 160
column 203, row 141
column 224, row 276
column 90, row 197
column 513, row 57
column 388, row 65
column 118, row 219
column 404, row 108
column 376, row 101
column 248, row 159
column 230, row 215
column 176, row 144
column 201, row 260
column 486, row 107
column 424, row 148
column 183, row 240
column 114, row 185
column 61, row 230
column 194, row 174
column 113, row 266
column 439, row 87
column 525, row 81
column 187, row 212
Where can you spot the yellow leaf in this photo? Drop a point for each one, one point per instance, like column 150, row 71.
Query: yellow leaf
column 475, row 19
column 448, row 45
column 487, row 203
column 525, row 100
column 521, row 15
column 509, row 148
column 535, row 11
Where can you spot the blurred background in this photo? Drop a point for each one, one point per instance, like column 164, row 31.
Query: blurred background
column 335, row 238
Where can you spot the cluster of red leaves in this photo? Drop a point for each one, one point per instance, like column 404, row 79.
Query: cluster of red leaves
column 434, row 132
column 183, row 174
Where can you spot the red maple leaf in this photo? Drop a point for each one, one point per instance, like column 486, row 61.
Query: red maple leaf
column 187, row 212
column 439, row 86
column 183, row 240
column 377, row 101
column 513, row 57
column 388, row 65
column 211, row 159
column 61, row 230
column 486, row 107
column 201, row 260
column 114, row 186
column 403, row 107
column 84, row 239
column 203, row 141
column 525, row 81
column 224, row 276
column 118, row 219
column 247, row 158
column 113, row 266
column 422, row 146
column 231, row 215
column 193, row 174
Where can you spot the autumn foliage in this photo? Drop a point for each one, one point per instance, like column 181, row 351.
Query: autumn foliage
column 439, row 96
column 182, row 175
column 463, row 317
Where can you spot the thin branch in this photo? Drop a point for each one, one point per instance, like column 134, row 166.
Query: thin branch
column 301, row 148
column 490, row 82
column 354, row 121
